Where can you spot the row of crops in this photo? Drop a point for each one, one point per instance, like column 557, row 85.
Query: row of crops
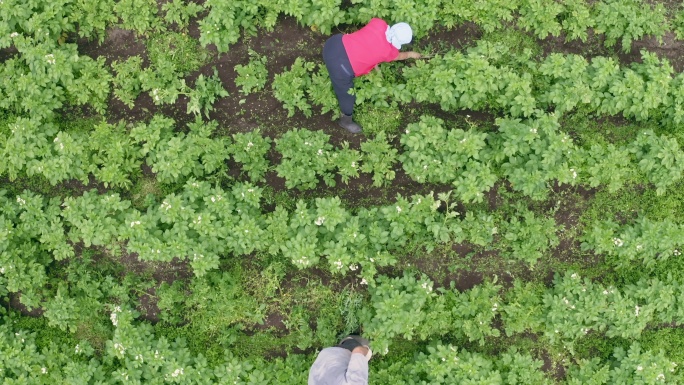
column 175, row 271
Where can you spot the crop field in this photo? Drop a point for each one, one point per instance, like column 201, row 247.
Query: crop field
column 178, row 205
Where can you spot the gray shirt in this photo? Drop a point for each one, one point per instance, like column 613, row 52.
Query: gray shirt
column 338, row 366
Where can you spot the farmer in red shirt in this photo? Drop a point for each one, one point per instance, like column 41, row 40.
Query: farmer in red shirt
column 350, row 55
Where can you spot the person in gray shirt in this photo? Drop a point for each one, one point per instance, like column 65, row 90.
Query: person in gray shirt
column 344, row 364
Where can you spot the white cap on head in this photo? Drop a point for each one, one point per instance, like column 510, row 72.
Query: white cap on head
column 398, row 34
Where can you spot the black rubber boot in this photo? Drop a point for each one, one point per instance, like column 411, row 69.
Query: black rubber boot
column 348, row 124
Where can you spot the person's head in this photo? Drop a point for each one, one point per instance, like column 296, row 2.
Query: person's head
column 399, row 34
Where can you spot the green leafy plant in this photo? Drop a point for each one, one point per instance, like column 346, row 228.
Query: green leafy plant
column 207, row 91
column 180, row 12
column 290, row 87
column 250, row 149
column 252, row 77
column 127, row 82
column 306, row 157
column 378, row 158
column 138, row 15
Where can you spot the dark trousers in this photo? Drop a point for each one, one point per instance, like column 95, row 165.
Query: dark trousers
column 341, row 72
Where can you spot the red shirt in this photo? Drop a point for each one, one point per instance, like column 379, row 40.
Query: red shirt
column 368, row 46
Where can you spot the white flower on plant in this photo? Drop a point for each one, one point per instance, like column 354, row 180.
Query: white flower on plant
column 533, row 130
column 320, row 152
column 50, row 58
column 574, row 173
column 574, row 276
column 250, row 144
column 20, row 201
column 364, row 282
column 618, row 242
column 139, row 357
column 135, row 223
column 495, row 307
column 398, row 209
column 425, row 167
column 660, row 377
column 636, row 310
column 114, row 319
column 676, row 252
column 353, row 267
column 177, row 372
column 43, row 370
column 307, row 144
column 155, row 94
column 463, row 140
column 319, row 221
column 426, row 286
column 77, row 349
column 13, row 34
column 640, row 368
column 639, row 247
column 605, row 292
column 165, row 205
column 338, row 264
column 407, row 131
column 353, row 164
column 120, row 348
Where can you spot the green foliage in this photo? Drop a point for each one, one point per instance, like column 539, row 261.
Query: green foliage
column 250, row 149
column 435, row 154
column 529, row 237
column 180, row 12
column 177, row 50
column 252, row 77
column 114, row 157
column 306, row 157
column 490, row 15
column 645, row 242
column 176, row 156
column 225, row 21
column 290, row 87
column 128, row 80
column 378, row 120
column 629, row 20
column 207, row 91
column 321, row 93
column 632, row 366
column 379, row 158
column 44, row 76
column 139, row 16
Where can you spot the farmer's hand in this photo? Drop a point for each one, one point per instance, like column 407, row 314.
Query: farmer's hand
column 360, row 349
column 408, row 55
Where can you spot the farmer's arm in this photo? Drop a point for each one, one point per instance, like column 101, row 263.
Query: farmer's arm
column 357, row 371
column 407, row 55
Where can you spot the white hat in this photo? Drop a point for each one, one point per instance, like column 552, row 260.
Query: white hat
column 399, row 34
